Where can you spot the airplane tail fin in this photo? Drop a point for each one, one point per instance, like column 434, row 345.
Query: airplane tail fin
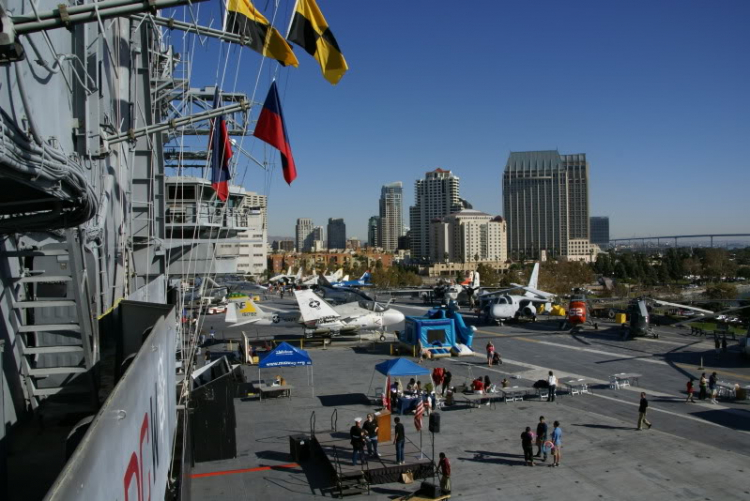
column 365, row 276
column 312, row 306
column 534, row 280
column 242, row 308
column 323, row 281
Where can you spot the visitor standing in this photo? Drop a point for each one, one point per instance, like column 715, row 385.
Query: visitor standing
column 541, row 437
column 399, row 440
column 552, row 383
column 642, row 409
column 371, row 427
column 527, row 443
column 712, row 387
column 702, row 387
column 557, row 442
column 444, row 468
column 490, row 353
column 357, row 436
column 447, row 381
column 690, row 391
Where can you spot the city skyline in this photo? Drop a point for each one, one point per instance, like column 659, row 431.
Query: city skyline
column 661, row 114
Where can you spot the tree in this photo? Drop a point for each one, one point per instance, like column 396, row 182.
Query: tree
column 721, row 291
column 488, row 275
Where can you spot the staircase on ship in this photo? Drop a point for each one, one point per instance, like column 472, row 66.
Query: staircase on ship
column 56, row 334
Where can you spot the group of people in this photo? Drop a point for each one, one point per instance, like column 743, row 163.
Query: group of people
column 705, row 386
column 547, row 443
column 366, row 434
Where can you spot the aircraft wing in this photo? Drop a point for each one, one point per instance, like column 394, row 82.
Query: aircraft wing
column 683, row 307
column 312, row 306
column 516, row 287
column 713, row 315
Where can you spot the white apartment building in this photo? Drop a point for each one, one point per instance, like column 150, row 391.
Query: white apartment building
column 436, row 196
column 303, row 232
column 469, row 236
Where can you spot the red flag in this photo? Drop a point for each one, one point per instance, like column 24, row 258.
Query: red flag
column 221, row 151
column 271, row 129
column 418, row 415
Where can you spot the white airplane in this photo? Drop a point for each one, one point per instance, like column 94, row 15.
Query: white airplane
column 287, row 277
column 501, row 305
column 321, row 318
column 242, row 310
column 470, row 287
column 334, row 277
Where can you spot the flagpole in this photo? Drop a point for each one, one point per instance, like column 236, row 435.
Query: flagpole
column 294, row 11
column 421, row 454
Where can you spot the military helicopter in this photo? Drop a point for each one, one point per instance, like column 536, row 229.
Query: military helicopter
column 639, row 325
column 578, row 311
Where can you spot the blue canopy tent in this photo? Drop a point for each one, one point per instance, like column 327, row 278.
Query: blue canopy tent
column 286, row 355
column 397, row 367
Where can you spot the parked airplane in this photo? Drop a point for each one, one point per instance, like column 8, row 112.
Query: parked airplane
column 339, row 295
column 446, row 293
column 313, row 280
column 499, row 306
column 363, row 281
column 321, row 318
column 242, row 310
column 287, row 277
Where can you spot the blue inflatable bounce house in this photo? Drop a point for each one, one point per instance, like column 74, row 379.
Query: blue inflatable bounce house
column 442, row 333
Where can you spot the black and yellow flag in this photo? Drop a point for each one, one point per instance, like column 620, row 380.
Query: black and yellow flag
column 310, row 31
column 244, row 20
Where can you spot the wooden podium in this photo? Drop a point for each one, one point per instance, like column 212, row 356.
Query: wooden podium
column 384, row 425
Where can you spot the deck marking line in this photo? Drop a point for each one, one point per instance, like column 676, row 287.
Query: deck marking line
column 244, row 470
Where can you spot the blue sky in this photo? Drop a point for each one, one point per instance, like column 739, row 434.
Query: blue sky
column 656, row 93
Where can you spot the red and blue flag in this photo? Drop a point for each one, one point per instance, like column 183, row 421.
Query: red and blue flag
column 271, row 129
column 221, row 152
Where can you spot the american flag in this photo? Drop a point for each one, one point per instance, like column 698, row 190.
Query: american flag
column 418, row 415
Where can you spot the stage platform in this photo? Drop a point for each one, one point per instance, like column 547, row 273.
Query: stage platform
column 382, row 470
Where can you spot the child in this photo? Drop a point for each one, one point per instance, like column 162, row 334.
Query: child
column 690, row 391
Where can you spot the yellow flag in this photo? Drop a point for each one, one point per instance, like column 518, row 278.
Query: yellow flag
column 311, row 32
column 243, row 19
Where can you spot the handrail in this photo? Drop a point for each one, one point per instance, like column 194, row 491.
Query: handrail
column 334, row 419
column 312, row 424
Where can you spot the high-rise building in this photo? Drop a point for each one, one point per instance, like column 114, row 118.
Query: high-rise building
column 318, row 239
column 391, row 225
column 600, row 231
column 303, row 232
column 468, row 236
column 435, row 197
column 373, row 238
column 336, row 234
column 546, row 202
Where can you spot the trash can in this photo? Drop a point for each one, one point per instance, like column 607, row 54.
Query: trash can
column 299, row 448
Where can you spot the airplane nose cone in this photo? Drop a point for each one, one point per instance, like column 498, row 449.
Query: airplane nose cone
column 393, row 317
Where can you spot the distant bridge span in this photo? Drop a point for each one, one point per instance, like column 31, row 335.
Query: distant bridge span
column 676, row 237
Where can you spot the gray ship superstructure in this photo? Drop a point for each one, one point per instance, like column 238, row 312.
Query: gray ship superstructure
column 96, row 363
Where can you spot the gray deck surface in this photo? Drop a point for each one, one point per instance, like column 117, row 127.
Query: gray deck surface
column 694, row 451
